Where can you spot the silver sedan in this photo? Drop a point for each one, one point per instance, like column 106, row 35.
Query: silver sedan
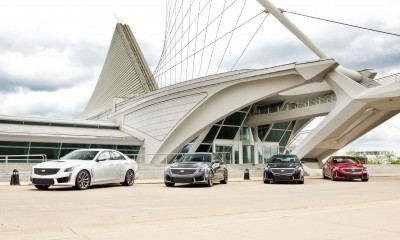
column 84, row 168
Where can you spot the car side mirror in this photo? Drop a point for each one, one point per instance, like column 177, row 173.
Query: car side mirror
column 302, row 162
column 101, row 159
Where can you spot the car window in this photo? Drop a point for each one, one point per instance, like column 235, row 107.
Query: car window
column 284, row 159
column 81, row 155
column 195, row 158
column 345, row 160
column 117, row 156
column 105, row 155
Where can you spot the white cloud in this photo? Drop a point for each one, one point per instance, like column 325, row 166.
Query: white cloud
column 385, row 137
column 63, row 103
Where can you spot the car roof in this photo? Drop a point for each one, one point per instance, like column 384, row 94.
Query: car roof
column 284, row 155
column 343, row 156
column 95, row 149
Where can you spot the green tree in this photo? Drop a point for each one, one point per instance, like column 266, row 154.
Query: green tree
column 353, row 153
column 390, row 156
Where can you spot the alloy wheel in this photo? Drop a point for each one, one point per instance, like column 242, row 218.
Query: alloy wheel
column 82, row 180
column 129, row 178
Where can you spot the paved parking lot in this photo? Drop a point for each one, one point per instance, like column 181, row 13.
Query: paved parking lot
column 319, row 209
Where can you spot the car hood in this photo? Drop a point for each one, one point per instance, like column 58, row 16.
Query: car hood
column 283, row 165
column 348, row 165
column 189, row 165
column 60, row 163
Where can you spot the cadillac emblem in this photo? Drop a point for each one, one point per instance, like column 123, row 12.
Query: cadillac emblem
column 282, row 170
column 182, row 170
column 43, row 170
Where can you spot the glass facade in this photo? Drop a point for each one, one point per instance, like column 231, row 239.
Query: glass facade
column 227, row 128
column 55, row 150
column 235, row 144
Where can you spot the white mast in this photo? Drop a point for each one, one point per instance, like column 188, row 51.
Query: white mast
column 269, row 7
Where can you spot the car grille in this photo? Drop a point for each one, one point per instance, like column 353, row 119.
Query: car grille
column 282, row 170
column 283, row 178
column 44, row 181
column 352, row 169
column 180, row 171
column 182, row 180
column 46, row 171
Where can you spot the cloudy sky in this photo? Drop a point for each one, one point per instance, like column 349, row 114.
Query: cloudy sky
column 52, row 51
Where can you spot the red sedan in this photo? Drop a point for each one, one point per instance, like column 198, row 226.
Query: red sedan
column 344, row 167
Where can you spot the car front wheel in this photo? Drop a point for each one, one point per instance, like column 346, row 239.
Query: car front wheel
column 333, row 176
column 301, row 182
column 225, row 180
column 210, row 180
column 42, row 187
column 169, row 184
column 82, row 181
column 129, row 178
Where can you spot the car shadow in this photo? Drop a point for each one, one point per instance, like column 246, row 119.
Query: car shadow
column 183, row 185
column 69, row 188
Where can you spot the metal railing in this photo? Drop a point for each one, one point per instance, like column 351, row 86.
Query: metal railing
column 23, row 158
column 8, row 160
column 382, row 81
column 295, row 105
column 295, row 141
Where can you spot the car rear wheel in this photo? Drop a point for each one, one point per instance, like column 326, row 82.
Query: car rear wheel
column 42, row 187
column 225, row 180
column 82, row 181
column 169, row 184
column 129, row 178
column 210, row 180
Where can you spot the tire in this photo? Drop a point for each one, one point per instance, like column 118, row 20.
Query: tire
column 333, row 177
column 82, row 181
column 323, row 175
column 365, row 180
column 210, row 180
column 225, row 180
column 301, row 182
column 129, row 178
column 266, row 181
column 42, row 187
column 169, row 184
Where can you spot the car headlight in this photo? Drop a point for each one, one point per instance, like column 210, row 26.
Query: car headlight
column 70, row 169
column 335, row 168
column 203, row 169
column 167, row 169
column 267, row 168
column 297, row 168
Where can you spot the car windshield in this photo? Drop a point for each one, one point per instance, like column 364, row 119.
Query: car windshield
column 284, row 159
column 81, row 155
column 345, row 160
column 195, row 158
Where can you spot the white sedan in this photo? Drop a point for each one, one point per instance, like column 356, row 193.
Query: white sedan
column 85, row 167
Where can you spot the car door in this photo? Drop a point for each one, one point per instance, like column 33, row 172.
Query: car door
column 120, row 165
column 216, row 166
column 101, row 167
column 328, row 168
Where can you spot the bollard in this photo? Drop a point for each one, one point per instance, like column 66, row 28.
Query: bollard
column 246, row 174
column 15, row 178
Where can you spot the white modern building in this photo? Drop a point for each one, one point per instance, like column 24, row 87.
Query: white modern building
column 244, row 115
